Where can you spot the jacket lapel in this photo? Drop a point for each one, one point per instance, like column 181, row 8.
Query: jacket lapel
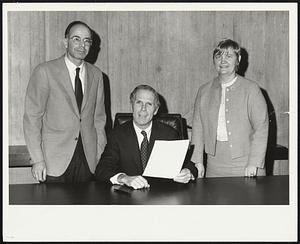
column 215, row 102
column 216, row 93
column 89, row 76
column 153, row 137
column 133, row 142
column 65, row 81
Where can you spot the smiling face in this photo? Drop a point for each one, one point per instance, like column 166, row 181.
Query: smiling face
column 77, row 52
column 143, row 108
column 226, row 62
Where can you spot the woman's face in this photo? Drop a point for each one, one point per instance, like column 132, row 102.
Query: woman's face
column 225, row 62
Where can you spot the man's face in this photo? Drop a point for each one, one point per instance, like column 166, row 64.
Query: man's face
column 226, row 62
column 143, row 108
column 78, row 43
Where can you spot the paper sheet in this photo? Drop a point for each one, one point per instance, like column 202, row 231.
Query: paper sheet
column 166, row 158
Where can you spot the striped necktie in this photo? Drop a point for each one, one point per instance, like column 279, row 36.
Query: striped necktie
column 144, row 150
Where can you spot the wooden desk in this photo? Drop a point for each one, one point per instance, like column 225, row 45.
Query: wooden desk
column 268, row 190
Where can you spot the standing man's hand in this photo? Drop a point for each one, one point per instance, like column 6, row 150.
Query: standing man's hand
column 201, row 169
column 39, row 171
column 250, row 171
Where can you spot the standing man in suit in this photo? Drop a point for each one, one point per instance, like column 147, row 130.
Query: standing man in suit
column 64, row 115
column 130, row 144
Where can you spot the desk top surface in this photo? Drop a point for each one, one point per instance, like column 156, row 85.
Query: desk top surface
column 267, row 190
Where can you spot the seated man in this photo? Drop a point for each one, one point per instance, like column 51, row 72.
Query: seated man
column 127, row 151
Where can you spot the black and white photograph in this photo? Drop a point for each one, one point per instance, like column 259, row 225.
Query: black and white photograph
column 150, row 121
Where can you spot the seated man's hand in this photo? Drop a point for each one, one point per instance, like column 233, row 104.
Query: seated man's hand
column 137, row 182
column 184, row 176
column 39, row 171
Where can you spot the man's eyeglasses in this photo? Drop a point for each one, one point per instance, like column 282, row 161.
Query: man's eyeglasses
column 77, row 40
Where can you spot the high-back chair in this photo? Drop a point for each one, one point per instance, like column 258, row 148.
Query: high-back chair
column 173, row 120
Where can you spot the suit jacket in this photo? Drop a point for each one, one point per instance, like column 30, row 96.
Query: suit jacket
column 52, row 121
column 122, row 153
column 247, row 120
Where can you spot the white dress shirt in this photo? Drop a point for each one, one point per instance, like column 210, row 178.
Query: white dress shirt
column 139, row 134
column 222, row 130
column 140, row 137
column 72, row 72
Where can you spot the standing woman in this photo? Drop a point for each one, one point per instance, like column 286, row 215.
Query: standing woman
column 230, row 120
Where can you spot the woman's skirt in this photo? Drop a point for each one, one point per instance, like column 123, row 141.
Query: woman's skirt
column 222, row 165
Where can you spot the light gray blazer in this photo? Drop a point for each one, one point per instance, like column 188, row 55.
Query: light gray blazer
column 52, row 121
column 247, row 114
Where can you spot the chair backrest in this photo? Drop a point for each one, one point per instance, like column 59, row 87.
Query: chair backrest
column 173, row 120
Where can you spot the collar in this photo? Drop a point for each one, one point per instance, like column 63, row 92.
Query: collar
column 139, row 130
column 72, row 67
column 216, row 83
column 229, row 83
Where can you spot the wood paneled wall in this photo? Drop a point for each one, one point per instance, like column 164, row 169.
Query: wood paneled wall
column 171, row 51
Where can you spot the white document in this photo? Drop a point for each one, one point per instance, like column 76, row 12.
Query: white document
column 166, row 158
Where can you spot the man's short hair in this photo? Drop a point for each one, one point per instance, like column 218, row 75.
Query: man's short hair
column 77, row 22
column 147, row 88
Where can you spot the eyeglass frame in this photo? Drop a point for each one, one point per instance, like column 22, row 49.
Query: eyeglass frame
column 227, row 56
column 86, row 41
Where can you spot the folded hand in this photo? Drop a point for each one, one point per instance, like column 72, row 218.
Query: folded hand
column 137, row 182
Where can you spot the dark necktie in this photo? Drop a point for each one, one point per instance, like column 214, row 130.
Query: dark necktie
column 144, row 150
column 78, row 90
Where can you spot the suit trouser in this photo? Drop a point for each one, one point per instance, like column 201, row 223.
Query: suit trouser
column 78, row 169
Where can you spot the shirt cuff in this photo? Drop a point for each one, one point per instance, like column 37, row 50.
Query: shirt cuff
column 31, row 162
column 114, row 179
